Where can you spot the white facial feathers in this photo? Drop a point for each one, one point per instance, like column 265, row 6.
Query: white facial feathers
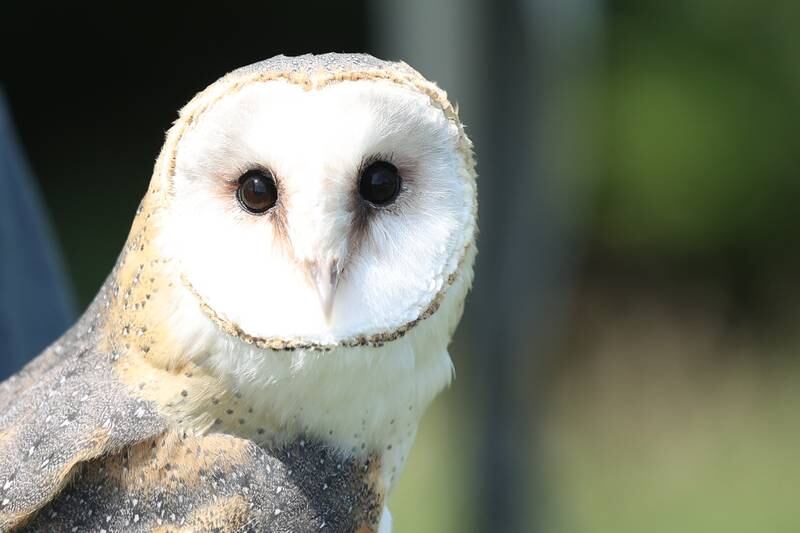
column 328, row 315
column 375, row 269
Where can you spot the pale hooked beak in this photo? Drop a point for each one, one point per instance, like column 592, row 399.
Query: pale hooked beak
column 325, row 277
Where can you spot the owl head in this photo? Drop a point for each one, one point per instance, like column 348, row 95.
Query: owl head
column 320, row 201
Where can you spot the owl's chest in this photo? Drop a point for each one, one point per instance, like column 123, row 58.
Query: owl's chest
column 345, row 423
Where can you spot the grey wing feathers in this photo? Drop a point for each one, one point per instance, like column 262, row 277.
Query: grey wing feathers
column 215, row 483
column 74, row 414
column 63, row 409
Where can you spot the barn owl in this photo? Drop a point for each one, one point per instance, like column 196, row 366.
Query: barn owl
column 276, row 324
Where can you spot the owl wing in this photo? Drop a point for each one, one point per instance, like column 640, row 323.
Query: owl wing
column 66, row 407
column 215, row 482
column 78, row 453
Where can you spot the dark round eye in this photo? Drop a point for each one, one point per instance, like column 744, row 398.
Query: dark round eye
column 257, row 192
column 379, row 183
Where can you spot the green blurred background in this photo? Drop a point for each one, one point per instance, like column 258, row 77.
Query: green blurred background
column 627, row 362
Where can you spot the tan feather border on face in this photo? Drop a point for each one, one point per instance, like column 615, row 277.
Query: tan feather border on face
column 400, row 74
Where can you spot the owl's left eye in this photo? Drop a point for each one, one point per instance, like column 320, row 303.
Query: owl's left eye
column 380, row 183
column 257, row 192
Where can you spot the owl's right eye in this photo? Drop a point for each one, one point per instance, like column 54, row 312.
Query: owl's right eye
column 257, row 192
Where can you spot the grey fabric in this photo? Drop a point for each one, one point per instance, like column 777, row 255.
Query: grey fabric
column 35, row 304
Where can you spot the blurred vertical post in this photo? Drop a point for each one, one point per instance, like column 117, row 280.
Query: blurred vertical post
column 512, row 67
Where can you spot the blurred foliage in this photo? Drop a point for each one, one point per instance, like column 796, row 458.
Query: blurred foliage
column 670, row 422
column 701, row 112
